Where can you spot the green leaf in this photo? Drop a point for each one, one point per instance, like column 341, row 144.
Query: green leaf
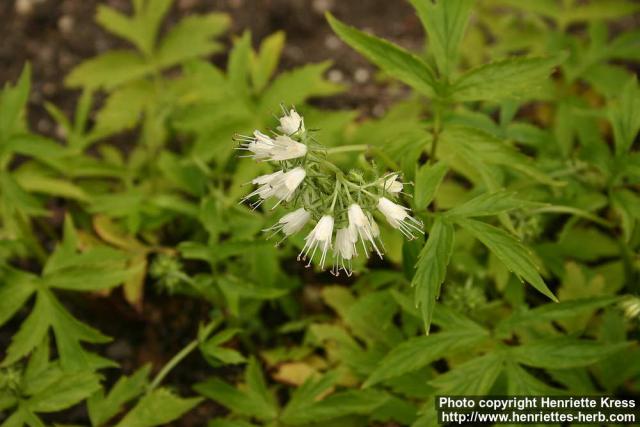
column 522, row 383
column 31, row 332
column 238, row 66
column 225, row 355
column 72, row 388
column 98, row 268
column 142, row 28
column 564, row 352
column 432, row 268
column 264, row 64
column 256, row 401
column 488, row 204
column 102, row 408
column 596, row 11
column 296, row 86
column 35, row 146
column 428, row 179
column 69, row 333
column 508, row 79
column 418, row 352
column 307, row 393
column 556, row 311
column 445, row 22
column 392, row 59
column 627, row 205
column 108, row 70
column 336, row 405
column 482, row 150
column 121, row 26
column 513, row 254
column 158, row 407
column 123, row 108
column 192, row 38
column 34, row 182
column 257, row 385
column 370, row 318
column 474, row 377
column 13, row 100
column 624, row 114
column 234, row 399
column 15, row 289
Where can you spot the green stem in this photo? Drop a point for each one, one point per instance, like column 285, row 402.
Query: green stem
column 332, row 167
column 348, row 148
column 437, row 127
column 175, row 360
column 335, row 193
column 359, row 188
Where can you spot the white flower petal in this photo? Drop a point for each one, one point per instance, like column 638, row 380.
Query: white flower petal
column 361, row 227
column 291, row 123
column 318, row 238
column 398, row 217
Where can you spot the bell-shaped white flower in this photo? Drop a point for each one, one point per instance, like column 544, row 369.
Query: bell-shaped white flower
column 344, row 250
column 263, row 147
column 318, row 238
column 291, row 123
column 288, row 183
column 362, row 228
column 291, row 223
column 265, row 189
column 260, row 145
column 281, row 185
column 391, row 184
column 285, row 148
column 398, row 217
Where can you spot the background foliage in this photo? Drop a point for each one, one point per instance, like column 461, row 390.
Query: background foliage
column 519, row 134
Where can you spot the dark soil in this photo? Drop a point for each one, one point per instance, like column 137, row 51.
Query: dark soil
column 56, row 35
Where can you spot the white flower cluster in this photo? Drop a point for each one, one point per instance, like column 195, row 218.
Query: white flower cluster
column 342, row 205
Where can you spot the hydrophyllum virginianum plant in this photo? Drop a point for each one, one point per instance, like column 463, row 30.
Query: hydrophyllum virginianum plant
column 341, row 205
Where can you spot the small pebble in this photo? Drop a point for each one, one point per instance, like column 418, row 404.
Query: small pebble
column 24, row 7
column 335, row 76
column 332, row 42
column 60, row 132
column 44, row 126
column 65, row 24
column 294, row 52
column 361, row 75
column 321, row 6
